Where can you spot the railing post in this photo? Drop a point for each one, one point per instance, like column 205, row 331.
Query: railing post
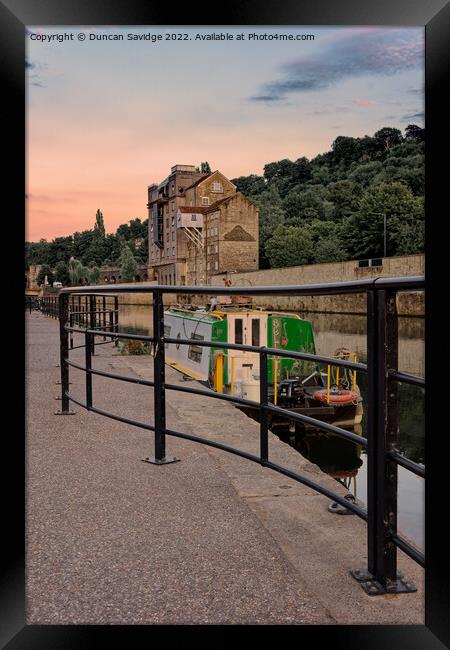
column 263, row 399
column 159, row 390
column 64, row 353
column 116, row 318
column 92, row 318
column 71, row 325
column 103, row 319
column 88, row 359
column 382, row 356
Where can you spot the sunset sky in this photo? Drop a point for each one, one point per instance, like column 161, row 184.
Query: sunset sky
column 107, row 118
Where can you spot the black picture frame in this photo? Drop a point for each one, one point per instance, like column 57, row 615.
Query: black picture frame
column 435, row 16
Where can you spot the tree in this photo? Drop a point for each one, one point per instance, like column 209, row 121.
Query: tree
column 76, row 272
column 250, row 185
column 414, row 133
column 45, row 270
column 329, row 249
column 345, row 196
column 205, row 168
column 365, row 173
column 328, row 240
column 271, row 214
column 62, row 273
column 96, row 250
column 289, row 246
column 301, row 207
column 37, row 253
column 345, row 149
column 388, row 137
column 99, row 226
column 128, row 264
column 366, row 227
column 93, row 275
column 60, row 249
column 82, row 244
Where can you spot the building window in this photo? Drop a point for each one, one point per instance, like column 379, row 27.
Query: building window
column 208, row 266
column 173, row 236
column 205, row 200
column 216, row 265
column 173, row 221
column 195, row 351
column 162, row 253
column 216, row 187
column 193, row 217
column 173, row 206
column 173, row 251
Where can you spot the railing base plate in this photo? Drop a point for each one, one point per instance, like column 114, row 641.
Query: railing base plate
column 374, row 588
column 64, row 412
column 165, row 461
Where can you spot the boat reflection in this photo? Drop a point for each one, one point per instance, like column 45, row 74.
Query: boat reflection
column 335, row 456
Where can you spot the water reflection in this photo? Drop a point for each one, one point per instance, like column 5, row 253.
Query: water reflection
column 335, row 456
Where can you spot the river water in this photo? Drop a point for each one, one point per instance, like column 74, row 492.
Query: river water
column 335, row 456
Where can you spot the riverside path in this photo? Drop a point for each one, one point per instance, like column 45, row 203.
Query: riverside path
column 212, row 539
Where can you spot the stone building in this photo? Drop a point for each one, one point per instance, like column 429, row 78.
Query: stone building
column 199, row 225
column 31, row 285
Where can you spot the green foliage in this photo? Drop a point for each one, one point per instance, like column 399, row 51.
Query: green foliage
column 388, row 137
column 99, row 224
column 205, row 168
column 128, row 264
column 403, row 211
column 45, row 271
column 77, row 272
column 93, row 275
column 289, row 246
column 414, row 132
column 340, row 189
column 271, row 214
column 62, row 273
column 250, row 185
column 79, row 254
column 342, row 186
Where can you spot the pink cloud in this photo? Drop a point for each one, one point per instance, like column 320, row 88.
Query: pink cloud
column 364, row 102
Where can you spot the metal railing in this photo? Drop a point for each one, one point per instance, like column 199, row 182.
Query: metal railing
column 49, row 306
column 32, row 302
column 383, row 456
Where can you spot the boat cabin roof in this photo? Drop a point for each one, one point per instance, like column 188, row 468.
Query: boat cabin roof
column 221, row 314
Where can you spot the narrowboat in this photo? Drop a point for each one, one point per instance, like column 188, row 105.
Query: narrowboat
column 329, row 394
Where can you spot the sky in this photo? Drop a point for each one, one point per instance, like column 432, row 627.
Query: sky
column 106, row 118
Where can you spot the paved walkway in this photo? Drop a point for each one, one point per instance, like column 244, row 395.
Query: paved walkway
column 211, row 539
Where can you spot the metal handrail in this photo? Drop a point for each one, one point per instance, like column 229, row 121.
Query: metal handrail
column 383, row 378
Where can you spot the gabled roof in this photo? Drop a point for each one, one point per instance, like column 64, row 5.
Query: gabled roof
column 197, row 182
column 192, row 209
column 216, row 204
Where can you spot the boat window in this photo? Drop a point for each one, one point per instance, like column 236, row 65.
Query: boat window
column 255, row 331
column 238, row 330
column 195, row 351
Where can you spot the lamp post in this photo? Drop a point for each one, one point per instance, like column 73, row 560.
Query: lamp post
column 382, row 214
